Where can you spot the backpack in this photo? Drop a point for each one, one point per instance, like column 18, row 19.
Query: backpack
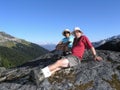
column 62, row 47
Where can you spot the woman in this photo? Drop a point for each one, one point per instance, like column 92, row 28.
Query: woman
column 66, row 43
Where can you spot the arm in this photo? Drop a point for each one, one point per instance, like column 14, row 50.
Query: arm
column 98, row 58
column 89, row 45
column 93, row 51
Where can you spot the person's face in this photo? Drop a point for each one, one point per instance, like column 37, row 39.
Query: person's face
column 77, row 34
column 67, row 34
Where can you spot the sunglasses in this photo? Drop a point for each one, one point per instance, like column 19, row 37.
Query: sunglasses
column 66, row 32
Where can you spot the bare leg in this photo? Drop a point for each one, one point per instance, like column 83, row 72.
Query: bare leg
column 39, row 75
column 51, row 69
column 58, row 65
column 53, row 72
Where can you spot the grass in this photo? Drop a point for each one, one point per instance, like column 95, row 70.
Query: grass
column 84, row 86
column 115, row 83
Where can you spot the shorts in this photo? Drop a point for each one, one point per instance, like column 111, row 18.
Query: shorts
column 73, row 60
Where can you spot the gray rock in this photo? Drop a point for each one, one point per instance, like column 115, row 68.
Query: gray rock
column 101, row 85
column 2, row 69
column 89, row 75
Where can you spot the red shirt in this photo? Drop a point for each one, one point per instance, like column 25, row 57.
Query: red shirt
column 79, row 46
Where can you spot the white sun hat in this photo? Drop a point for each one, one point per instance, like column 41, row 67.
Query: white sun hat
column 66, row 30
column 77, row 29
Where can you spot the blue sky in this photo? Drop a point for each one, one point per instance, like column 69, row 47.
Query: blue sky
column 44, row 20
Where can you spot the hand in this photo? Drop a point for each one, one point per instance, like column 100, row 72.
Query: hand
column 98, row 58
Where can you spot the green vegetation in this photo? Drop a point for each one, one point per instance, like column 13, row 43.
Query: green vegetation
column 115, row 83
column 84, row 86
column 58, row 76
column 8, row 44
column 14, row 52
column 19, row 54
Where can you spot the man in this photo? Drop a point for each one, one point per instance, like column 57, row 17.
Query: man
column 81, row 43
column 65, row 45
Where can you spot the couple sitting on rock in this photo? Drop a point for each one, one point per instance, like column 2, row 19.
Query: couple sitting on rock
column 80, row 43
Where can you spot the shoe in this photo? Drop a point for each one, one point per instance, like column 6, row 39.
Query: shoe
column 37, row 76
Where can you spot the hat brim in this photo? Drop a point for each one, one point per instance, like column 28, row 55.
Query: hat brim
column 66, row 31
column 73, row 33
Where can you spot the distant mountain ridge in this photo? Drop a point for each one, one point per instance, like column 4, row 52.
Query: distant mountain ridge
column 6, row 37
column 48, row 46
column 14, row 51
column 97, row 44
column 113, row 45
column 101, row 42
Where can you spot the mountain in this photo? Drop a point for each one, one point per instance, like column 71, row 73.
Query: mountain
column 112, row 43
column 101, row 42
column 48, row 46
column 89, row 75
column 14, row 51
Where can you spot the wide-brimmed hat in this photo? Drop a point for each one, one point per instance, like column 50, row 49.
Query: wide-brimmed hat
column 66, row 30
column 77, row 29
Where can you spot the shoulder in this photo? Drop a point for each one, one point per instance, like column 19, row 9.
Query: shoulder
column 63, row 39
column 84, row 37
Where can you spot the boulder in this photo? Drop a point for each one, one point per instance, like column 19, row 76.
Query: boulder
column 89, row 75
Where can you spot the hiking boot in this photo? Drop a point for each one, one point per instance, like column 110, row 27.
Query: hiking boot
column 37, row 76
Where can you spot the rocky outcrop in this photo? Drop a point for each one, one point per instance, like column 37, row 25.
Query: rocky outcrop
column 113, row 45
column 89, row 75
column 101, row 42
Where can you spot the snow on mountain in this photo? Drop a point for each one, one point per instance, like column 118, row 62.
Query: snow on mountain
column 101, row 42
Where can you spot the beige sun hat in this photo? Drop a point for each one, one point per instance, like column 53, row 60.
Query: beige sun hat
column 66, row 30
column 77, row 29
